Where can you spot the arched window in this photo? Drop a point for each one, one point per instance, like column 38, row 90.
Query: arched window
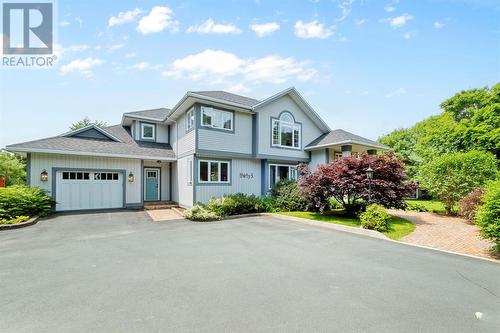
column 285, row 131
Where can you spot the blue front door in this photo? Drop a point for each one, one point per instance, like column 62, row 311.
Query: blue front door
column 152, row 185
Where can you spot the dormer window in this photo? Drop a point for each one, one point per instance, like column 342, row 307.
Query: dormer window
column 286, row 132
column 148, row 131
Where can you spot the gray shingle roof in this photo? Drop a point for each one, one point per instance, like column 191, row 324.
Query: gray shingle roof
column 157, row 114
column 340, row 136
column 230, row 97
column 128, row 146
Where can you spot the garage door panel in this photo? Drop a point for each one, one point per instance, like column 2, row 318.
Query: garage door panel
column 88, row 190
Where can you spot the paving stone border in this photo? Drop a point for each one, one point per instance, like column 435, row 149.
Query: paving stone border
column 31, row 221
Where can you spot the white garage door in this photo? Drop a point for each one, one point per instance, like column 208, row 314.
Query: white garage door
column 88, row 190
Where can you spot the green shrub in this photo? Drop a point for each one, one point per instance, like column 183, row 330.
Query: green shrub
column 266, row 204
column 451, row 176
column 417, row 207
column 375, row 217
column 13, row 167
column 488, row 215
column 334, row 204
column 234, row 204
column 20, row 200
column 469, row 204
column 200, row 213
column 287, row 196
column 17, row 219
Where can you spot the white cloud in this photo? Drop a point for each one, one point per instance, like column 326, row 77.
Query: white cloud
column 438, row 25
column 115, row 47
column 238, row 88
column 60, row 50
column 407, row 35
column 397, row 92
column 124, row 17
column 206, row 65
column 399, row 21
column 312, row 29
column 83, row 66
column 345, row 7
column 360, row 21
column 130, row 55
column 80, row 21
column 143, row 65
column 210, row 27
column 64, row 23
column 389, row 8
column 158, row 19
column 264, row 29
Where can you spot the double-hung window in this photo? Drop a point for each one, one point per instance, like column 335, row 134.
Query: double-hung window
column 279, row 172
column 286, row 132
column 213, row 171
column 148, row 131
column 189, row 119
column 214, row 118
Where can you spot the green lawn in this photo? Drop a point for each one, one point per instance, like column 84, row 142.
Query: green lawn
column 398, row 227
column 426, row 206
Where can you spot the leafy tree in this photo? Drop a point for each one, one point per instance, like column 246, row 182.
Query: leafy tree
column 466, row 103
column 403, row 141
column 451, row 176
column 13, row 167
column 86, row 122
column 488, row 215
column 345, row 180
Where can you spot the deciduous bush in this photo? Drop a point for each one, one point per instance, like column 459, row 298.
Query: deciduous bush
column 288, row 197
column 13, row 167
column 451, row 176
column 488, row 215
column 234, row 204
column 17, row 219
column 201, row 214
column 20, row 200
column 266, row 204
column 375, row 217
column 469, row 204
column 345, row 180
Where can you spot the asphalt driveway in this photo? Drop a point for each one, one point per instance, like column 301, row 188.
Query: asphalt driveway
column 118, row 271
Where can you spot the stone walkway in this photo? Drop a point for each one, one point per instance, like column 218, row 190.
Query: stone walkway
column 444, row 232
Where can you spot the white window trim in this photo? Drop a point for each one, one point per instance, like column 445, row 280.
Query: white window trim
column 292, row 169
column 142, row 131
column 293, row 125
column 203, row 108
column 218, row 172
column 190, row 172
column 189, row 120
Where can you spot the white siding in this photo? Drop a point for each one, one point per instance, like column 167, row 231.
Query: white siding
column 49, row 161
column 309, row 130
column 239, row 183
column 185, row 191
column 317, row 157
column 175, row 181
column 161, row 133
column 185, row 141
column 164, row 179
column 240, row 141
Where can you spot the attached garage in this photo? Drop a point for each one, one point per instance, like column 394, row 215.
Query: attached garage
column 89, row 189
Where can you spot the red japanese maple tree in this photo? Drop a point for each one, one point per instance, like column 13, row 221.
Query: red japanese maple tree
column 345, row 179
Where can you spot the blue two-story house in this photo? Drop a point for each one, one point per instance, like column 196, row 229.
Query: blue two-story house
column 211, row 143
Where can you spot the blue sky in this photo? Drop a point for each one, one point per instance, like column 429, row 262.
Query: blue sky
column 365, row 66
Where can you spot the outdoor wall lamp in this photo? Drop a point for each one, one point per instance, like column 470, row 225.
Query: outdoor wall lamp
column 44, row 176
column 369, row 175
column 130, row 177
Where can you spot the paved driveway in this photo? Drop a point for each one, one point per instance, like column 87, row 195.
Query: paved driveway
column 117, row 272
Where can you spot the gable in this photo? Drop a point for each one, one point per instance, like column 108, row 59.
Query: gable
column 92, row 133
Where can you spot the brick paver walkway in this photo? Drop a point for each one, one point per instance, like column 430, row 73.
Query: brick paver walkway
column 164, row 214
column 444, row 232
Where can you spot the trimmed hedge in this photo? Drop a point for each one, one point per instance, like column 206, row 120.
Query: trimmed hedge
column 375, row 217
column 20, row 200
column 234, row 204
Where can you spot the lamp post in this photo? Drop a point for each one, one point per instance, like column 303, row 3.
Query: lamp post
column 369, row 175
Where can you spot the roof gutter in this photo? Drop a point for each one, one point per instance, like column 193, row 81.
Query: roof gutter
column 347, row 142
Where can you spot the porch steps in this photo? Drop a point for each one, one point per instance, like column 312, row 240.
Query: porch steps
column 160, row 205
column 179, row 210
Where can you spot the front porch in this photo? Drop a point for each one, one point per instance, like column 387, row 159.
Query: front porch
column 157, row 184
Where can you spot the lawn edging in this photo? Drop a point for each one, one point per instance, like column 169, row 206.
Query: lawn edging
column 31, row 221
column 338, row 227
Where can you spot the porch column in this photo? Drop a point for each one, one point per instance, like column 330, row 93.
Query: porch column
column 346, row 150
column 371, row 152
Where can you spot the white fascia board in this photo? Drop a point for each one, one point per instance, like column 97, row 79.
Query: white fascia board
column 82, row 153
column 155, row 120
column 345, row 142
column 83, row 129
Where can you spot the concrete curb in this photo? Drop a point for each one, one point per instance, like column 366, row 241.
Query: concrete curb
column 338, row 227
column 31, row 221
